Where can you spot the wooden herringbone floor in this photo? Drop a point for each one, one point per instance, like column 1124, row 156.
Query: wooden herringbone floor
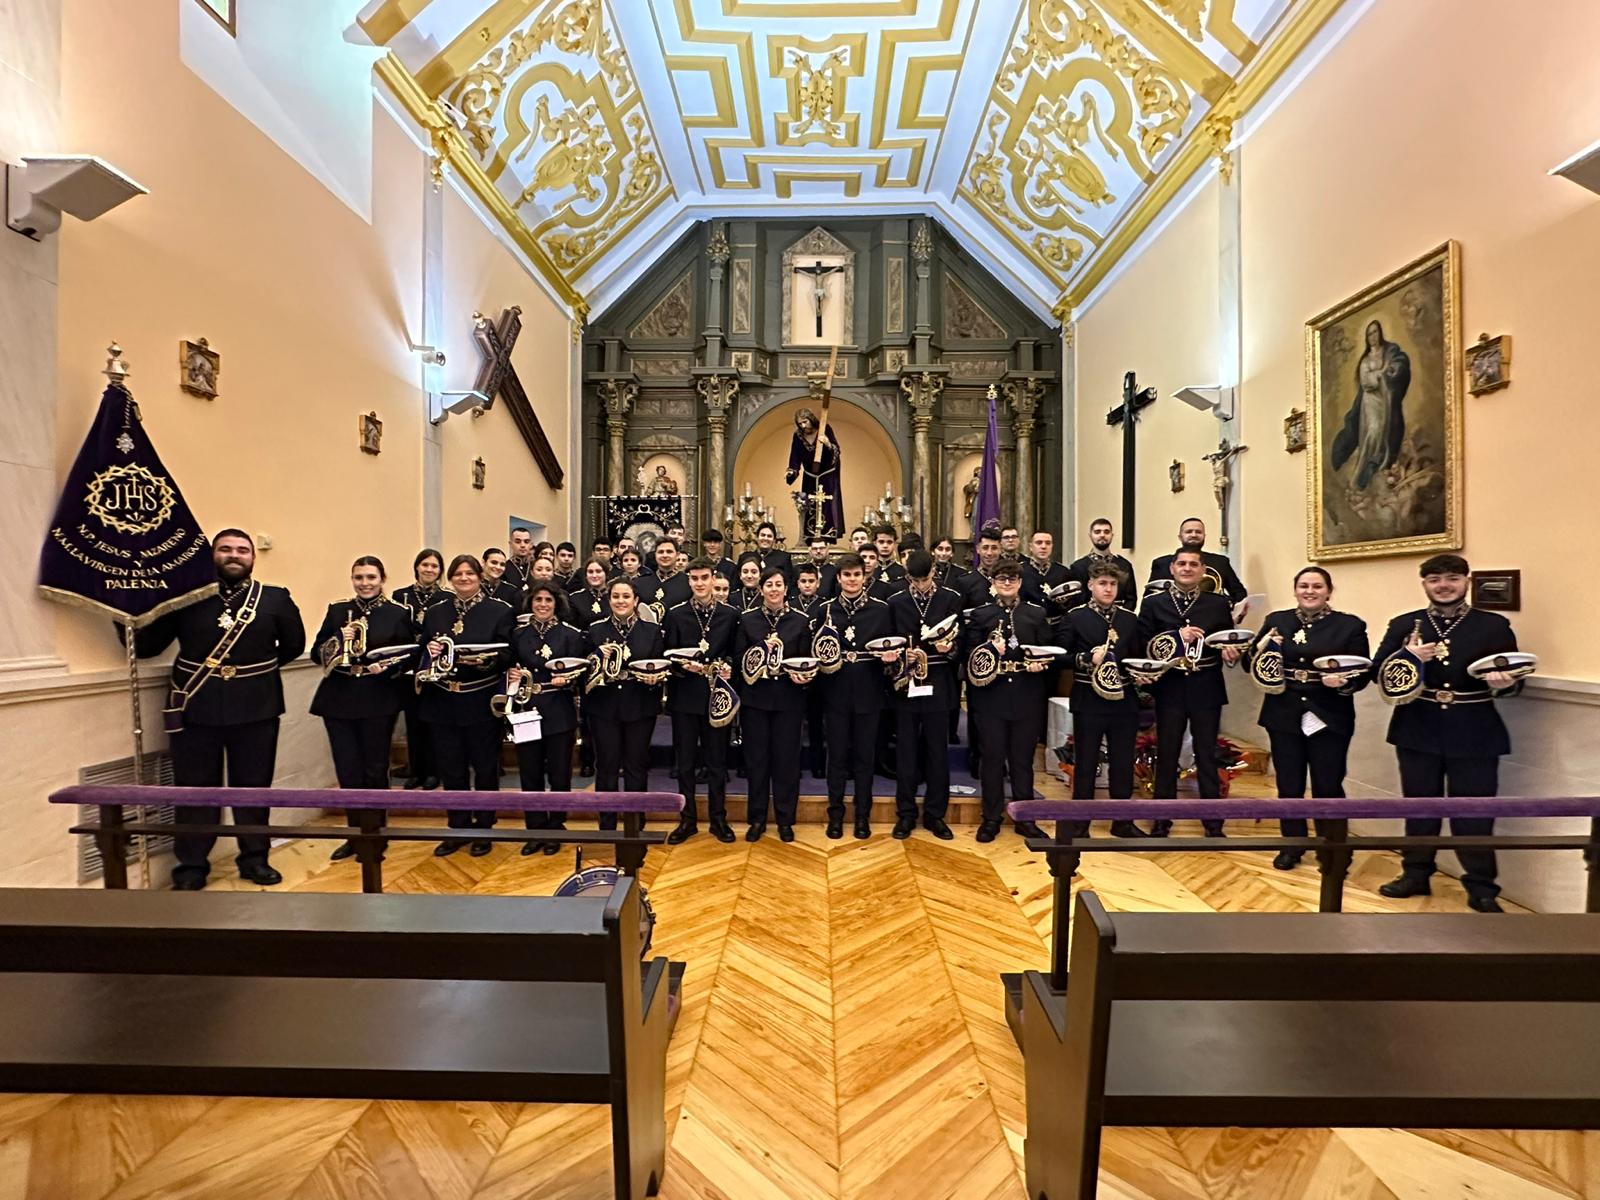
column 842, row 1036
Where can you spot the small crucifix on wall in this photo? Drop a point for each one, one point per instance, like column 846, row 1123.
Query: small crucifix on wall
column 819, row 272
column 1221, row 460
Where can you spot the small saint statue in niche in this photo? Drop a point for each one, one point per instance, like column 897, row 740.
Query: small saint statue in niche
column 970, row 491
column 663, row 484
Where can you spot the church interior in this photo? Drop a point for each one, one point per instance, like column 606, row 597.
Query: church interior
column 364, row 277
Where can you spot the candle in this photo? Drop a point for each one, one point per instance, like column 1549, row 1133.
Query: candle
column 747, row 489
column 888, row 491
column 729, row 519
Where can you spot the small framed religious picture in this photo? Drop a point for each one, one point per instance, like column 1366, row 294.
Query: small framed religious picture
column 199, row 369
column 1175, row 475
column 1489, row 364
column 480, row 473
column 371, row 433
column 1294, row 431
column 1500, row 591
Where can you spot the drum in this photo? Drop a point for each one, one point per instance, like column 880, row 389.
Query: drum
column 598, row 881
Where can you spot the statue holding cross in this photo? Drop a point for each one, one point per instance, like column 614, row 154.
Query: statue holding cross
column 814, row 463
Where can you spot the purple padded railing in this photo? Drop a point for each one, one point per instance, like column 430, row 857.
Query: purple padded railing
column 1247, row 808
column 127, row 795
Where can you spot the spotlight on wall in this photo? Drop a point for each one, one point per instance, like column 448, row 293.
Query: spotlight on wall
column 45, row 186
column 431, row 356
column 1211, row 398
column 456, row 403
column 1583, row 168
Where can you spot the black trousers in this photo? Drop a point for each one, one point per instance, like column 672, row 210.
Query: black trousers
column 621, row 749
column 852, row 756
column 469, row 759
column 361, row 753
column 772, row 756
column 695, row 742
column 422, row 761
column 816, row 733
column 922, row 744
column 1119, row 731
column 1203, row 724
column 546, row 766
column 1294, row 755
column 1006, row 747
column 1424, row 774
column 200, row 754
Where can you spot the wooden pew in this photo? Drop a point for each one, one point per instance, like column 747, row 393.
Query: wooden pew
column 318, row 995
column 1307, row 1019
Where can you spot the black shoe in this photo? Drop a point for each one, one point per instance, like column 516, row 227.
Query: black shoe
column 413, row 783
column 479, row 849
column 1403, row 887
column 188, row 883
column 721, row 831
column 786, row 833
column 260, row 873
column 1286, row 860
column 1484, row 904
column 687, row 828
column 1028, row 829
column 903, row 827
column 431, row 784
column 702, row 775
column 753, row 834
column 1160, row 829
column 835, row 827
column 987, row 831
column 1127, row 829
column 347, row 850
column 531, row 848
column 446, row 849
column 1212, row 829
column 937, row 827
column 863, row 827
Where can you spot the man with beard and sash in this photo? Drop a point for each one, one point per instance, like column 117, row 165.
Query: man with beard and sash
column 227, row 696
column 1100, row 553
column 701, row 624
column 854, row 696
column 1191, row 694
column 1446, row 733
column 922, row 709
column 1105, row 707
column 1217, row 572
column 667, row 587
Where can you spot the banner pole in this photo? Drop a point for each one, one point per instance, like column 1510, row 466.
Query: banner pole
column 136, row 711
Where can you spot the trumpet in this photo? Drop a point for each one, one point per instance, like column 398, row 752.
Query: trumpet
column 606, row 666
column 352, row 646
column 437, row 667
column 513, row 697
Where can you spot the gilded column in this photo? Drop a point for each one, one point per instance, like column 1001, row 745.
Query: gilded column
column 617, row 395
column 1024, row 396
column 922, row 391
column 717, row 389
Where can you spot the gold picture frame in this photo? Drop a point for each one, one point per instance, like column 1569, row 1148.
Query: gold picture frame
column 480, row 474
column 1383, row 392
column 1488, row 364
column 371, row 431
column 199, row 368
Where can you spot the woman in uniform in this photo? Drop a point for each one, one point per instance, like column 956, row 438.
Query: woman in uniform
column 358, row 701
column 545, row 763
column 621, row 710
column 772, row 705
column 466, row 732
column 426, row 569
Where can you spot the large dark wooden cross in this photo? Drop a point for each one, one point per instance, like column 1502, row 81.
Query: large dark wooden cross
column 1126, row 414
column 497, row 377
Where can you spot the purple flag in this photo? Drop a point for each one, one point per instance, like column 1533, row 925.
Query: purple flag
column 123, row 542
column 986, row 507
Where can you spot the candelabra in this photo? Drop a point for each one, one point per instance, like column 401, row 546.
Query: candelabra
column 743, row 519
column 891, row 510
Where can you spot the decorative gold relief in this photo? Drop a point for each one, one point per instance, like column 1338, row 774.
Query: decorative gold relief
column 816, row 74
column 1185, row 14
column 965, row 318
column 1219, row 130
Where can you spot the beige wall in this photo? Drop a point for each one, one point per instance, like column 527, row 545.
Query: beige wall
column 867, row 455
column 313, row 308
column 1386, row 151
column 1160, row 320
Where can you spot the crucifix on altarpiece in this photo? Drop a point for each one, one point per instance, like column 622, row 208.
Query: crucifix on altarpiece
column 819, row 271
column 1126, row 414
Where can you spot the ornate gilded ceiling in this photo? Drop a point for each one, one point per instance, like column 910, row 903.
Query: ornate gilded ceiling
column 1044, row 133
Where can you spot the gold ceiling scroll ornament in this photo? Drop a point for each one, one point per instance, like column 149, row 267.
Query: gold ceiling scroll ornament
column 1219, row 129
column 1185, row 14
column 643, row 186
column 816, row 97
column 580, row 151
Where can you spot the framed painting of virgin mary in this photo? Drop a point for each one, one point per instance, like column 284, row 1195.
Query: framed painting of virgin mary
column 1384, row 402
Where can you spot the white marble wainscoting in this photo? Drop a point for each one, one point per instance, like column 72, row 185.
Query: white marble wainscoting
column 1554, row 752
column 49, row 728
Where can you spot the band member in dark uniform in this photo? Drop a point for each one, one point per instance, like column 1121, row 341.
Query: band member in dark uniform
column 1445, row 731
column 590, row 603
column 1105, row 707
column 1192, row 693
column 226, row 699
column 519, row 567
column 946, row 571
column 427, row 569
column 770, row 554
column 974, row 585
column 544, row 764
column 747, row 595
column 495, row 583
column 887, row 543
column 622, row 711
column 712, row 547
column 704, row 625
column 1100, row 531
column 1218, row 571
column 1006, row 705
column 1310, row 721
column 807, row 601
column 668, row 586
column 772, row 706
column 855, row 695
column 808, row 595
column 466, row 732
column 359, row 699
column 1040, row 572
column 922, row 717
column 822, row 559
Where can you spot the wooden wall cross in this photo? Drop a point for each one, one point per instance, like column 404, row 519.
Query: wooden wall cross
column 498, row 377
column 1126, row 414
